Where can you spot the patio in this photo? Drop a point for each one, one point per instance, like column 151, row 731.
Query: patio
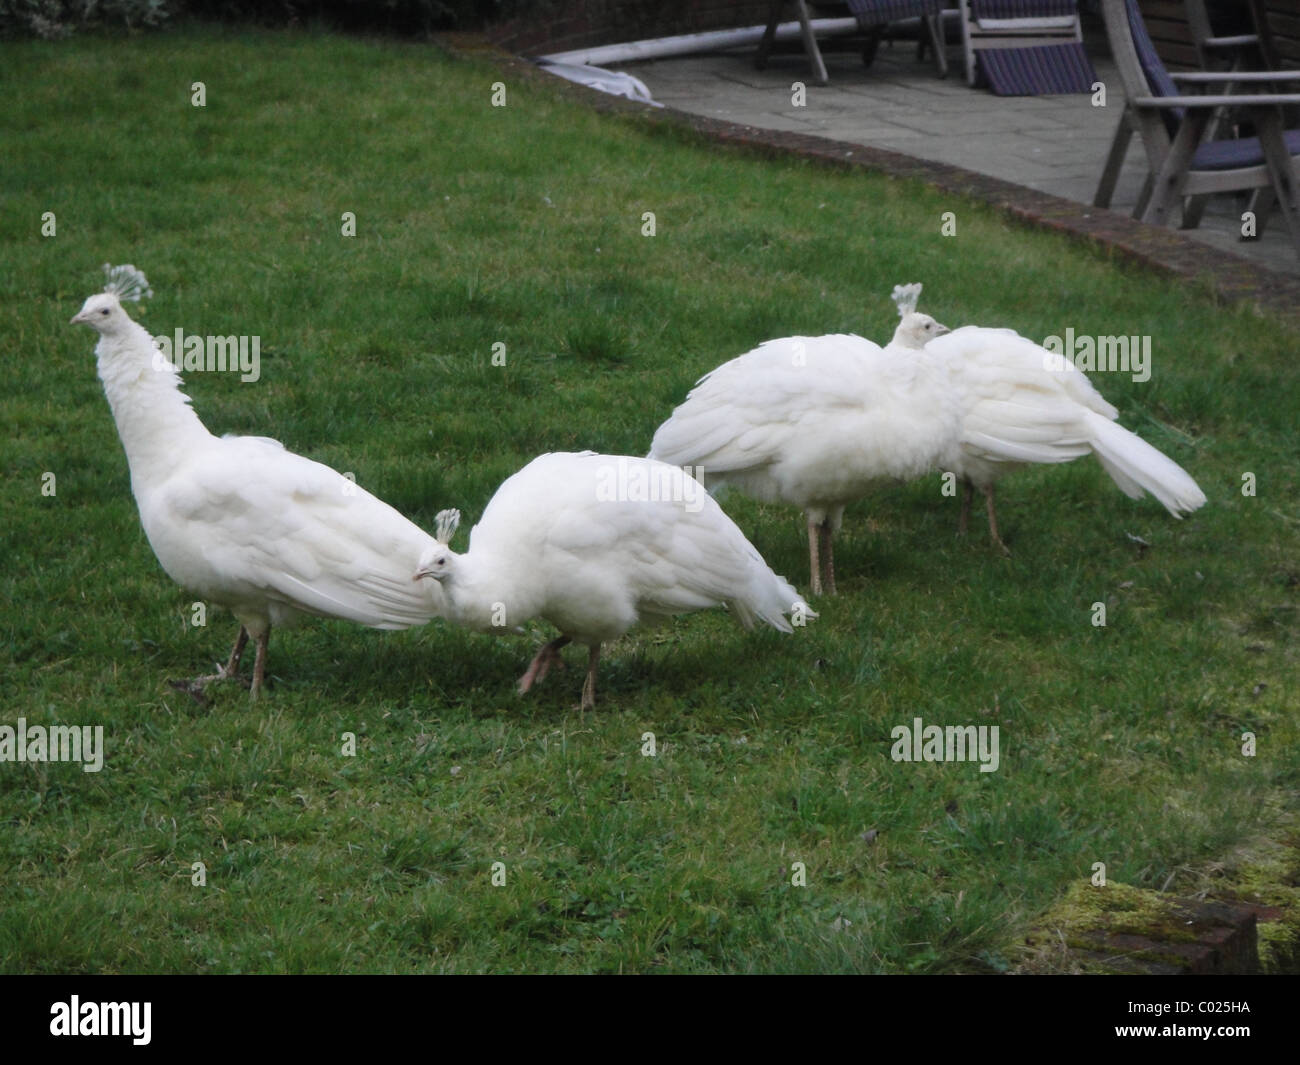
column 1054, row 144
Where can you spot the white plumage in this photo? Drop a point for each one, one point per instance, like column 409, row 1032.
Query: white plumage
column 816, row 422
column 241, row 522
column 595, row 543
column 1021, row 404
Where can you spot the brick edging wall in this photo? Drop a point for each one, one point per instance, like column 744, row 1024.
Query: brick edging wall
column 562, row 25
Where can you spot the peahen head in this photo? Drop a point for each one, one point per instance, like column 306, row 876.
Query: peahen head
column 917, row 330
column 914, row 330
column 439, row 560
column 103, row 311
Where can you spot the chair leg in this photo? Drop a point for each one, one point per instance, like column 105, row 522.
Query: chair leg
column 872, row 46
column 1114, row 163
column 967, row 50
column 1193, row 209
column 810, row 43
column 769, row 34
column 1167, row 185
column 1261, row 205
column 934, row 23
column 1144, row 196
column 1281, row 168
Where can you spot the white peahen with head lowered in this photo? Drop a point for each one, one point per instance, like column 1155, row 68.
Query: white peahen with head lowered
column 240, row 521
column 595, row 543
column 1021, row 404
column 817, row 422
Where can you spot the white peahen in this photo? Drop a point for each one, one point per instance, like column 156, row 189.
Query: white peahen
column 817, row 422
column 240, row 521
column 595, row 543
column 1022, row 403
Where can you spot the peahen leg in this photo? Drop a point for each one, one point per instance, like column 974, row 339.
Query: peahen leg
column 828, row 555
column 230, row 670
column 993, row 522
column 814, row 562
column 589, row 685
column 259, row 663
column 967, row 494
column 541, row 664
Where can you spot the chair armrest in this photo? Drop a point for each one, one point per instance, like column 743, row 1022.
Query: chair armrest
column 1230, row 42
column 1249, row 100
column 1027, row 25
column 1208, row 78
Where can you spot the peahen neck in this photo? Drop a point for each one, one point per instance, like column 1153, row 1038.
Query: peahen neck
column 153, row 416
column 485, row 595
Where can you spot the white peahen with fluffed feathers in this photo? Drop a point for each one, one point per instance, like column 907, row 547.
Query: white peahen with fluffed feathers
column 817, row 422
column 595, row 543
column 1024, row 404
column 240, row 521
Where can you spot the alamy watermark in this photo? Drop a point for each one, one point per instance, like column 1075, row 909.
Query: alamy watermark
column 102, row 1018
column 650, row 482
column 189, row 354
column 946, row 743
column 55, row 743
column 1104, row 354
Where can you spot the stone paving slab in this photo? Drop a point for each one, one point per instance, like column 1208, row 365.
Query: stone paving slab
column 1052, row 144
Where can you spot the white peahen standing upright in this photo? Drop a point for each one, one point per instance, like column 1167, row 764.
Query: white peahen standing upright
column 595, row 543
column 1022, row 403
column 240, row 521
column 817, row 422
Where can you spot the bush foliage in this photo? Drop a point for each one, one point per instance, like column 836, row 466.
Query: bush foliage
column 53, row 19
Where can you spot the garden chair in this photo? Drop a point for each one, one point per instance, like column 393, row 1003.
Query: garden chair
column 1279, row 32
column 1172, row 126
column 1025, row 47
column 872, row 16
column 1238, row 51
column 809, row 38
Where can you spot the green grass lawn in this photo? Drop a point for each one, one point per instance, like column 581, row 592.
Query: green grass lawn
column 522, row 225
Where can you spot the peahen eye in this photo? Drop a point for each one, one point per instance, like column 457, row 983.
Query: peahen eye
column 103, row 310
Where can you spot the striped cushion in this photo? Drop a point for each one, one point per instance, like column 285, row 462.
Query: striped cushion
column 982, row 9
column 1230, row 154
column 1152, row 66
column 1046, row 69
column 871, row 13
